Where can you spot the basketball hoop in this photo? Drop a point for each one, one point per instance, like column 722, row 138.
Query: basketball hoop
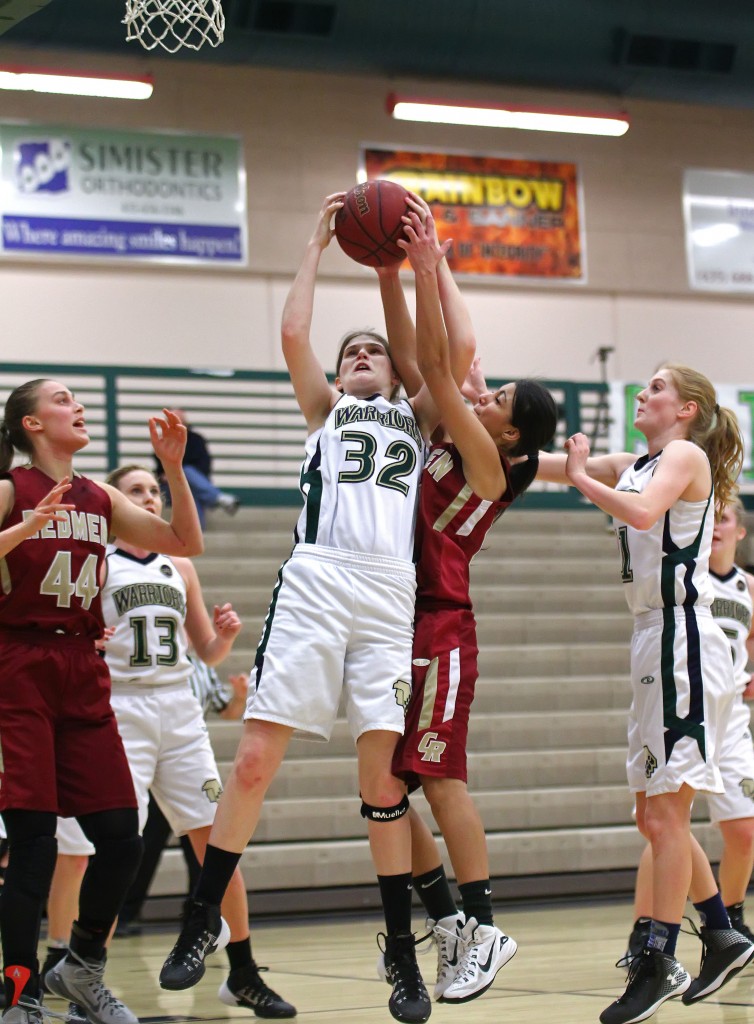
column 173, row 24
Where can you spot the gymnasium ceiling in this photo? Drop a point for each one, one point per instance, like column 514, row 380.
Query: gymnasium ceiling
column 696, row 51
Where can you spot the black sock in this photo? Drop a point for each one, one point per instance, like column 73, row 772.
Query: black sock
column 217, row 871
column 88, row 943
column 736, row 914
column 434, row 891
column 477, row 900
column 239, row 954
column 396, row 891
column 713, row 912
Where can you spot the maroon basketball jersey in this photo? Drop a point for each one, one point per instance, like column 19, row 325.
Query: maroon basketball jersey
column 51, row 580
column 451, row 526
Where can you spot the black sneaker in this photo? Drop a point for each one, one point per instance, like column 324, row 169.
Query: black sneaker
column 725, row 952
column 637, row 940
column 203, row 932
column 653, row 977
column 245, row 988
column 409, row 1001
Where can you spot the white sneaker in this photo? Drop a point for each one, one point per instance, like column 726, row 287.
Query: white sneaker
column 79, row 979
column 447, row 934
column 487, row 949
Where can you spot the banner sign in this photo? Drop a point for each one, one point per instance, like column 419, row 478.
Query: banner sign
column 718, row 208
column 135, row 196
column 518, row 218
column 624, row 437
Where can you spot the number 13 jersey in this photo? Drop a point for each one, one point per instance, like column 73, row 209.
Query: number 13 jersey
column 145, row 600
column 360, row 479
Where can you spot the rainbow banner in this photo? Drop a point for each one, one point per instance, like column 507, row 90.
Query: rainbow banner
column 517, row 218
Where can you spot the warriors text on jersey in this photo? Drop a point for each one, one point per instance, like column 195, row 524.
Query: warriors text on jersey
column 145, row 599
column 732, row 610
column 51, row 580
column 667, row 565
column 451, row 528
column 360, row 479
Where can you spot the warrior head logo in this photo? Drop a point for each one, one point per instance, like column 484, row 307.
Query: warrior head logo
column 402, row 690
column 747, row 788
column 213, row 789
column 650, row 763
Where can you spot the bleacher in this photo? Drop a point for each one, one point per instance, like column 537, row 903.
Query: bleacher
column 547, row 735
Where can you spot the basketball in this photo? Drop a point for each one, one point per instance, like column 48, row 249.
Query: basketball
column 369, row 223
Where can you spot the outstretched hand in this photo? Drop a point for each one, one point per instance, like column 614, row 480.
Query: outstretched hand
column 324, row 230
column 168, row 435
column 227, row 623
column 577, row 450
column 421, row 243
column 50, row 507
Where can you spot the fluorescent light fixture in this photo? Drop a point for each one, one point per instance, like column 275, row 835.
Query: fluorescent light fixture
column 490, row 115
column 69, row 83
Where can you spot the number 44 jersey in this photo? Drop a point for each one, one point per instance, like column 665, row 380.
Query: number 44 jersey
column 50, row 581
column 145, row 600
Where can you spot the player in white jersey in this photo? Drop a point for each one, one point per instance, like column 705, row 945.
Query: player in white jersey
column 153, row 604
column 733, row 810
column 663, row 505
column 340, row 621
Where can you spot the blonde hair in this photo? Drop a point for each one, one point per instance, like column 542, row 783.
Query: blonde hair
column 714, row 429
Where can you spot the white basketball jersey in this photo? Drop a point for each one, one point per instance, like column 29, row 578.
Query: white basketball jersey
column 145, row 599
column 360, row 479
column 732, row 609
column 668, row 564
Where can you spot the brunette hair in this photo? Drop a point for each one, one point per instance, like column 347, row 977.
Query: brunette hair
column 13, row 437
column 535, row 414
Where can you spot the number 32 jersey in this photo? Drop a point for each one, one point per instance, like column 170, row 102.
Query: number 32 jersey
column 145, row 600
column 50, row 581
column 360, row 479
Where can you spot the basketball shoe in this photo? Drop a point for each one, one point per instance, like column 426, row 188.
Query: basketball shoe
column 736, row 915
column 485, row 950
column 653, row 977
column 447, row 935
column 725, row 952
column 245, row 988
column 409, row 1001
column 79, row 979
column 27, row 1011
column 203, row 932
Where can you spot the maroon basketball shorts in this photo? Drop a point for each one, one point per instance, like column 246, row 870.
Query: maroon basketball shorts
column 444, row 676
column 60, row 750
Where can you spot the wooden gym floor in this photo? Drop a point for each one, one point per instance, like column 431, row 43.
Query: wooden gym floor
column 563, row 973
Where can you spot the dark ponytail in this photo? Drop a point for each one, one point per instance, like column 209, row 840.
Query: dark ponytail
column 21, row 402
column 535, row 414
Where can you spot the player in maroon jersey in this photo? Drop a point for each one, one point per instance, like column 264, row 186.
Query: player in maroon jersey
column 61, row 752
column 466, row 485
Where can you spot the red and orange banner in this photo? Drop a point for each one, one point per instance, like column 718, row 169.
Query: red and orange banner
column 514, row 217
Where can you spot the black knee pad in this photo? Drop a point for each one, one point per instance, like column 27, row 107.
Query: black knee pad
column 31, row 865
column 121, row 857
column 384, row 813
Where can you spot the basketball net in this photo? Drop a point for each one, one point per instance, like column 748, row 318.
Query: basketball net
column 173, row 24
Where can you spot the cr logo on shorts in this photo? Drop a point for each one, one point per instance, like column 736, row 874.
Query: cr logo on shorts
column 213, row 789
column 647, row 680
column 650, row 762
column 431, row 748
column 402, row 693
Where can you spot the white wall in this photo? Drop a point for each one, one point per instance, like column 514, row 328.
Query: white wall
column 301, row 137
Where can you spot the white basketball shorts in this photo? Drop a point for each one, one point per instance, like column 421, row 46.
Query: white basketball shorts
column 340, row 622
column 168, row 750
column 683, row 691
column 736, row 767
column 71, row 839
